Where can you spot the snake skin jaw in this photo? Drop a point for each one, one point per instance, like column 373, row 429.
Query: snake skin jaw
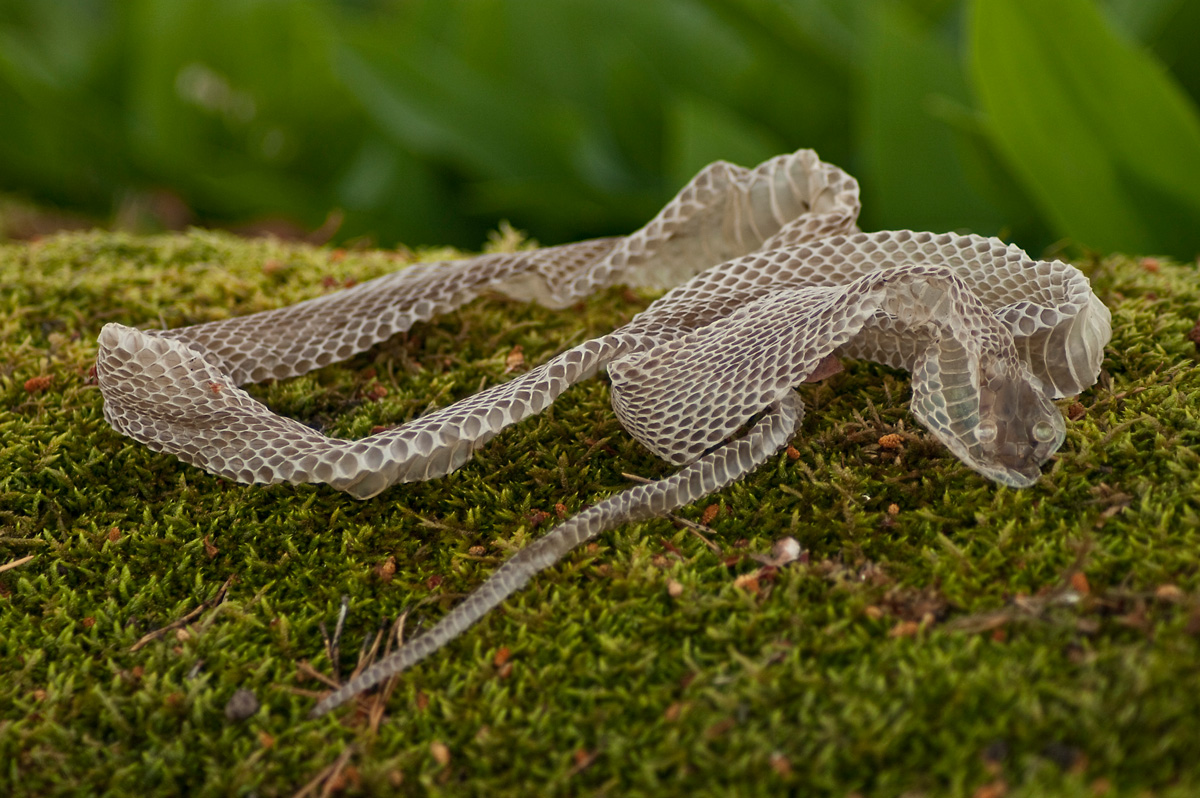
column 1019, row 429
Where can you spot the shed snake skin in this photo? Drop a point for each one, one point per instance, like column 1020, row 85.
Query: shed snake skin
column 769, row 277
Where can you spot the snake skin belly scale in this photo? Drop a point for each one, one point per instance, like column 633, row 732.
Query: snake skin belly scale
column 769, row 278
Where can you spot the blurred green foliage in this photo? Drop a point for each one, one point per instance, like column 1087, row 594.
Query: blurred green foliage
column 428, row 120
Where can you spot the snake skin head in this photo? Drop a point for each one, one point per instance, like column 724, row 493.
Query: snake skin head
column 1019, row 428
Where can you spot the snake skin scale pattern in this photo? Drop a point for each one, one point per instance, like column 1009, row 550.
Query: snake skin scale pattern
column 769, row 277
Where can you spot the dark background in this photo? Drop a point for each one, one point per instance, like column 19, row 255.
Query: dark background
column 1049, row 122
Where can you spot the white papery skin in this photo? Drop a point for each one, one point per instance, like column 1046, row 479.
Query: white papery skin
column 772, row 277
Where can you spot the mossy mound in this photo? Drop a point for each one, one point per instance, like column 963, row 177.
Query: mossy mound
column 945, row 635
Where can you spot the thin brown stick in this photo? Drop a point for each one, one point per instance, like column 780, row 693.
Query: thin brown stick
column 308, row 670
column 335, row 654
column 328, row 644
column 330, row 773
column 1027, row 607
column 375, row 716
column 8, row 566
column 338, row 766
column 696, row 529
column 185, row 620
column 367, row 656
column 583, row 762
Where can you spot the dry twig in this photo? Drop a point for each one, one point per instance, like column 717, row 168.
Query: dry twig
column 16, row 563
column 185, row 620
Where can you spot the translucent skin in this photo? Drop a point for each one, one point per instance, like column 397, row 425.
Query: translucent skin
column 1028, row 428
column 772, row 280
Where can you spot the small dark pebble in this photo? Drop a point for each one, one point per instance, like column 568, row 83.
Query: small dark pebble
column 1194, row 335
column 996, row 751
column 1062, row 754
column 242, row 705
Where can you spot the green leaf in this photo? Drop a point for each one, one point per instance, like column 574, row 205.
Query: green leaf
column 1170, row 28
column 58, row 103
column 985, row 169
column 703, row 132
column 1140, row 18
column 1094, row 128
column 913, row 171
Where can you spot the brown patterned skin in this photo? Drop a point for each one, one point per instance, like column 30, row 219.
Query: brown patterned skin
column 772, row 280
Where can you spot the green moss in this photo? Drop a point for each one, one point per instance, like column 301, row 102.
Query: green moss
column 804, row 685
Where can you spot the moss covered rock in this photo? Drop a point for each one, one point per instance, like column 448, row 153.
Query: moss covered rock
column 161, row 629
